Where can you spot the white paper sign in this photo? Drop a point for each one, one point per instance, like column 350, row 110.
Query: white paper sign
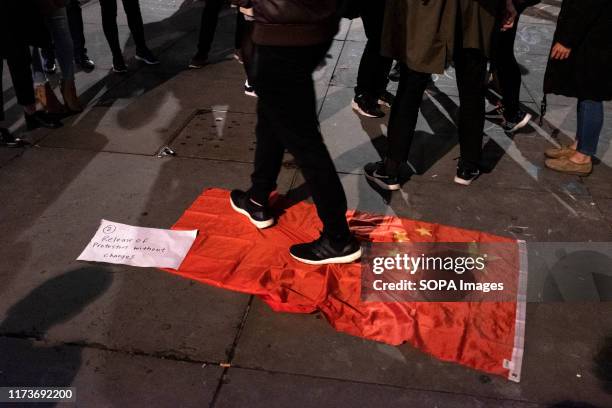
column 138, row 246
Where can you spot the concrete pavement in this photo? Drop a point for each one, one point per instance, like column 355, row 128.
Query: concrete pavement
column 140, row 337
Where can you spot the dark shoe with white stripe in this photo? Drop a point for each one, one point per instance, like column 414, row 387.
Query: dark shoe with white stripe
column 145, row 55
column 466, row 174
column 375, row 172
column 326, row 251
column 367, row 106
column 258, row 214
column 516, row 122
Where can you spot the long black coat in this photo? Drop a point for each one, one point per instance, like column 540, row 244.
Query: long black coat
column 584, row 26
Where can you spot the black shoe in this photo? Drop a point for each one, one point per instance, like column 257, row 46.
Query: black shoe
column 516, row 122
column 466, row 174
column 249, row 90
column 497, row 113
column 198, row 61
column 145, row 55
column 119, row 65
column 394, row 75
column 376, row 173
column 258, row 214
column 325, row 251
column 8, row 140
column 386, row 99
column 367, row 106
column 40, row 119
column 85, row 62
column 49, row 67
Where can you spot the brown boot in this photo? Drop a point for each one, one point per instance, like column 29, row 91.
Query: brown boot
column 71, row 100
column 47, row 99
column 558, row 152
column 565, row 165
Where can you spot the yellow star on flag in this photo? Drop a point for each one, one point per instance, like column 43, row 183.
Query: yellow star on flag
column 424, row 232
column 400, row 236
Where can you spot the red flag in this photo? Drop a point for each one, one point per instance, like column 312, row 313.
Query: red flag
column 231, row 253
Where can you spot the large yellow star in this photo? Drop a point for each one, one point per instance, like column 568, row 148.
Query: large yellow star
column 400, row 236
column 424, row 232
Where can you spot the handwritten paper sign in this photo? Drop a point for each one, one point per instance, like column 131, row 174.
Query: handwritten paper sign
column 138, row 246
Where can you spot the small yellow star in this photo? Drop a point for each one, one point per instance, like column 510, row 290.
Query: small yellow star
column 400, row 236
column 424, row 232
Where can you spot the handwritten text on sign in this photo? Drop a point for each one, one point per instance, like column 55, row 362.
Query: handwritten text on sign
column 138, row 246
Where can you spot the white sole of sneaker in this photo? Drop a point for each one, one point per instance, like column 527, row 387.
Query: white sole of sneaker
column 357, row 109
column 250, row 93
column 463, row 182
column 383, row 103
column 146, row 61
column 521, row 124
column 338, row 260
column 384, row 186
column 119, row 71
column 258, row 224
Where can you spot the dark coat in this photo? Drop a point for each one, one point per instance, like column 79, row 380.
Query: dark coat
column 293, row 22
column 422, row 33
column 584, row 26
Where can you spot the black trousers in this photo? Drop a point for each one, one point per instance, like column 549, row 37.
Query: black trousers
column 208, row 25
column 507, row 69
column 75, row 21
column 18, row 60
column 470, row 67
column 287, row 119
column 373, row 75
column 109, row 24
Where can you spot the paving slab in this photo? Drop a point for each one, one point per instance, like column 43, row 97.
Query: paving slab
column 256, row 388
column 218, row 135
column 65, row 193
column 307, row 345
column 104, row 378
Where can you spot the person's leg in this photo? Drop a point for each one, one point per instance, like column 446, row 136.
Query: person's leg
column 208, row 26
column 19, row 62
column 109, row 25
column 75, row 22
column 372, row 76
column 403, row 118
column 58, row 26
column 590, row 122
column 508, row 71
column 287, row 103
column 471, row 67
column 135, row 23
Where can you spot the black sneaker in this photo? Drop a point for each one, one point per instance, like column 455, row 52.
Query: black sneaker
column 394, row 75
column 8, row 140
column 249, row 90
column 497, row 113
column 367, row 106
column 119, row 65
column 376, row 173
column 516, row 122
column 258, row 214
column 324, row 251
column 145, row 55
column 198, row 61
column 466, row 174
column 85, row 62
column 40, row 119
column 386, row 99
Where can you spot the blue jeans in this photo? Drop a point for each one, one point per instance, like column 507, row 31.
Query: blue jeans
column 590, row 123
column 57, row 23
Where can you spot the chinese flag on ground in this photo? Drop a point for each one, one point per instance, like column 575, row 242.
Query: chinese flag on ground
column 231, row 253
